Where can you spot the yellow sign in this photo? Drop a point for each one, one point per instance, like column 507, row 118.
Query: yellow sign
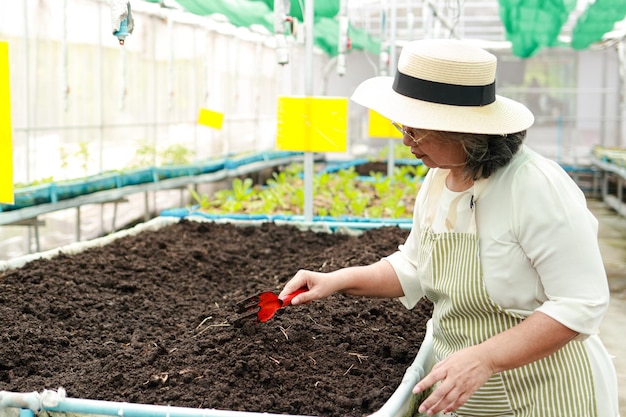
column 312, row 124
column 6, row 144
column 381, row 127
column 211, row 118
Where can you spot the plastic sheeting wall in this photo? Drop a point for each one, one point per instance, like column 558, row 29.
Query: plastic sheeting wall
column 83, row 104
column 575, row 96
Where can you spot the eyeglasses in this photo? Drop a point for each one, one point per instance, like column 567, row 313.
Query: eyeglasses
column 405, row 131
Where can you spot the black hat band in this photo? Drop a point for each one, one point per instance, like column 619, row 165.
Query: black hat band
column 442, row 93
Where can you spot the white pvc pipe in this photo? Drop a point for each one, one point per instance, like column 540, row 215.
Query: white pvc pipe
column 28, row 400
column 56, row 401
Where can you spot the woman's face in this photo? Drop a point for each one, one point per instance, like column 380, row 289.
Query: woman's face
column 434, row 151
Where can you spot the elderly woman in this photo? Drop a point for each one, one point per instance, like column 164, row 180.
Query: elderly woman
column 502, row 243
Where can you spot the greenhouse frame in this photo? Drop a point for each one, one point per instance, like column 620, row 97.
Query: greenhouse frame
column 124, row 116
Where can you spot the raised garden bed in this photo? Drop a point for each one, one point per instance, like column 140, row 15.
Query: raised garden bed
column 148, row 319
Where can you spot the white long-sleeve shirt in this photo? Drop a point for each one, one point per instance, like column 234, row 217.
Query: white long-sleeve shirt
column 538, row 243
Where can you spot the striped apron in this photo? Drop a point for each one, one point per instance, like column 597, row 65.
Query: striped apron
column 464, row 315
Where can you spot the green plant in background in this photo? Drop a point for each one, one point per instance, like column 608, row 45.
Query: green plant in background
column 268, row 203
column 276, row 196
column 83, row 155
column 337, row 207
column 64, row 158
column 176, row 155
column 242, row 189
column 145, row 155
column 228, row 200
column 202, row 200
column 298, row 200
column 46, row 180
column 395, row 204
column 359, row 204
column 381, row 183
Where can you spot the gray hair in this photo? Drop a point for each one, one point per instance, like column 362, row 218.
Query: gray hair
column 485, row 153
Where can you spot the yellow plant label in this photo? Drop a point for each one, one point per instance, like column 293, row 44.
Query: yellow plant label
column 6, row 144
column 312, row 124
column 380, row 127
column 211, row 118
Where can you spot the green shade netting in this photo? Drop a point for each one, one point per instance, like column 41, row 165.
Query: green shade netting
column 597, row 19
column 323, row 8
column 530, row 25
column 326, row 33
column 250, row 12
column 533, row 24
column 238, row 12
column 362, row 40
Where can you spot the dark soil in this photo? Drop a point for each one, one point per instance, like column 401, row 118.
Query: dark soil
column 372, row 166
column 149, row 319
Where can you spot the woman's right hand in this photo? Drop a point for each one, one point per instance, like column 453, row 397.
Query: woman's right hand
column 318, row 284
column 375, row 280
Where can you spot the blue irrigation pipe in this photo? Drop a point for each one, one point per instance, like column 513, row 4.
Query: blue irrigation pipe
column 331, row 223
column 25, row 412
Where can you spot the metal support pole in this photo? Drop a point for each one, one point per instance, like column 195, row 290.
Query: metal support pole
column 309, row 14
column 621, row 126
column 146, row 202
column 194, row 82
column 410, row 20
column 393, row 28
column 170, row 61
column 78, row 223
column 64, row 70
column 27, row 104
column 26, row 98
column 342, row 46
column 100, row 104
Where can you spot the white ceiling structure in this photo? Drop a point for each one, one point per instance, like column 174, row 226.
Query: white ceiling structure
column 469, row 19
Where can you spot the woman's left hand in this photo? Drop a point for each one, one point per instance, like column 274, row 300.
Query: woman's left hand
column 461, row 373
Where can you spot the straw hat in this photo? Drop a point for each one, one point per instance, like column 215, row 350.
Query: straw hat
column 444, row 84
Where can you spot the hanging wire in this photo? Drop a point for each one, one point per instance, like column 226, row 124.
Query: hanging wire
column 456, row 17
